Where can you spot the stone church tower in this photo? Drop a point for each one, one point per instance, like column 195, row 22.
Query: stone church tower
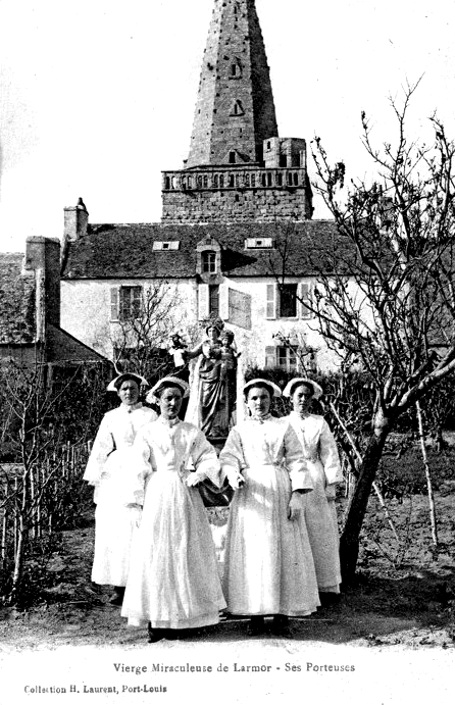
column 238, row 169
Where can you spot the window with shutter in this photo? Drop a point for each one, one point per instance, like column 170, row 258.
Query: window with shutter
column 130, row 303
column 280, row 356
column 286, row 358
column 271, row 301
column 288, row 301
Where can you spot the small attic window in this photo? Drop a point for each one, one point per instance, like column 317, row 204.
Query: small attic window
column 258, row 243
column 161, row 245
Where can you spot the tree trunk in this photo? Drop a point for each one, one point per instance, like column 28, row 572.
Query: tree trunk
column 349, row 541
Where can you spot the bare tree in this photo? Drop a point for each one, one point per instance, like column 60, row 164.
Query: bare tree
column 388, row 305
column 45, row 417
column 143, row 331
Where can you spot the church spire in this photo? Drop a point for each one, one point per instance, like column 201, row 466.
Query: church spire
column 235, row 111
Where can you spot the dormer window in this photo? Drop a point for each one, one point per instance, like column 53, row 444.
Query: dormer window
column 258, row 243
column 160, row 245
column 209, row 262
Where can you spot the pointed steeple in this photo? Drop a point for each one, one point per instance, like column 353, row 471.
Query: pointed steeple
column 235, row 111
column 238, row 169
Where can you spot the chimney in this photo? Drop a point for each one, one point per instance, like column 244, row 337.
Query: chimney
column 42, row 255
column 75, row 222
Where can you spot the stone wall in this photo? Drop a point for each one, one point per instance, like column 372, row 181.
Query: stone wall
column 230, row 205
column 234, row 108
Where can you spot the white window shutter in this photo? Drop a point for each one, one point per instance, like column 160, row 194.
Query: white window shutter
column 270, row 356
column 136, row 302
column 115, row 301
column 203, row 303
column 305, row 300
column 224, row 302
column 271, row 301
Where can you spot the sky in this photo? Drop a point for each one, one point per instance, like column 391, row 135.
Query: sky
column 97, row 96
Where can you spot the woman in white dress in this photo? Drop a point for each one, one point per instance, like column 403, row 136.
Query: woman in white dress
column 269, row 567
column 107, row 471
column 321, row 453
column 173, row 582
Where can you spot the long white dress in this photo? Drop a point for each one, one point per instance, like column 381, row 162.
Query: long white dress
column 173, row 581
column 108, row 468
column 268, row 562
column 321, row 453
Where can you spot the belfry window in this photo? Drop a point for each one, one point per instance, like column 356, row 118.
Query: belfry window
column 238, row 108
column 236, row 70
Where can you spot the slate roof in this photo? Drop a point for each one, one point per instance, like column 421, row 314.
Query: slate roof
column 64, row 347
column 17, row 301
column 18, row 315
column 126, row 251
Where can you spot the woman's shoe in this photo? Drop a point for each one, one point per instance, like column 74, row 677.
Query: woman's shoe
column 154, row 635
column 117, row 596
column 281, row 626
column 329, row 599
column 256, row 626
column 172, row 634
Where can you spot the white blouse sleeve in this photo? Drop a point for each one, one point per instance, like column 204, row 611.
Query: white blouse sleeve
column 330, row 458
column 103, row 446
column 295, row 462
column 205, row 460
column 232, row 456
column 142, row 461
